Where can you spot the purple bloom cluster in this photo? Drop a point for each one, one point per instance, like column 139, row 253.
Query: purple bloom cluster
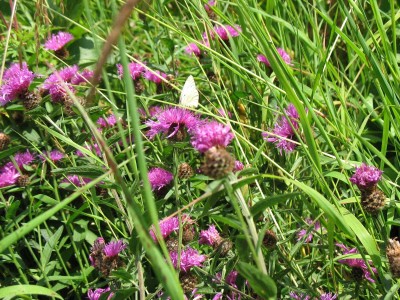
column 76, row 180
column 239, row 166
column 58, row 82
column 159, row 178
column 303, row 232
column 155, row 76
column 224, row 32
column 58, row 41
column 153, row 111
column 231, row 280
column 109, row 121
column 135, row 69
column 114, row 248
column 325, row 296
column 167, row 226
column 96, row 294
column 189, row 258
column 356, row 262
column 211, row 134
column 208, row 5
column 210, row 236
column 171, row 120
column 9, row 174
column 283, row 54
column 193, row 49
column 53, row 155
column 366, row 177
column 95, row 147
column 16, row 81
column 284, row 130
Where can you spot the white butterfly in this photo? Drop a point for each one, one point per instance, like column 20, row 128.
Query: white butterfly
column 190, row 95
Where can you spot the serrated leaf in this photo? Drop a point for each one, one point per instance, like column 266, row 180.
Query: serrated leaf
column 261, row 283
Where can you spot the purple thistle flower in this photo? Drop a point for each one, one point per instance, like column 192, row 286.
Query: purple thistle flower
column 58, row 82
column 58, row 41
column 135, row 69
column 189, row 258
column 217, row 296
column 96, row 148
column 109, row 121
column 366, row 177
column 98, row 245
column 172, row 120
column 153, row 111
column 208, row 5
column 239, row 166
column 114, row 248
column 24, row 158
column 53, row 155
column 8, row 175
column 295, row 296
column 303, row 232
column 210, row 236
column 16, row 81
column 283, row 54
column 283, row 129
column 193, row 49
column 96, row 294
column 210, row 135
column 82, row 77
column 154, row 76
column 76, row 180
column 356, row 262
column 167, row 226
column 224, row 32
column 159, row 178
column 328, row 296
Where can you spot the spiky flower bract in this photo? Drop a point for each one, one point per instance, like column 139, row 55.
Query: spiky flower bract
column 16, row 81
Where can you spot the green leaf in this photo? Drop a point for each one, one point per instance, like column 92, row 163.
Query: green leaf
column 12, row 209
column 90, row 171
column 25, row 289
column 261, row 205
column 262, row 284
column 49, row 247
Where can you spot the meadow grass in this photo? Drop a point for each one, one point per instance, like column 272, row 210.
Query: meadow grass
column 281, row 216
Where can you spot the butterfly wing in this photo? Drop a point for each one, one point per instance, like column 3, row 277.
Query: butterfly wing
column 190, row 95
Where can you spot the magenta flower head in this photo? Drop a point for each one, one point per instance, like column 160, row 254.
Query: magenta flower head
column 16, row 81
column 239, row 166
column 8, row 175
column 295, row 296
column 153, row 111
column 24, row 158
column 53, row 155
column 284, row 130
column 366, row 177
column 172, row 122
column 302, row 233
column 356, row 263
column 135, row 69
column 193, row 49
column 283, row 54
column 159, row 178
column 109, row 121
column 96, row 294
column 224, row 32
column 208, row 5
column 189, row 258
column 328, row 296
column 154, row 76
column 114, row 248
column 167, row 226
column 82, row 77
column 76, row 180
column 210, row 236
column 211, row 134
column 58, row 82
column 58, row 41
